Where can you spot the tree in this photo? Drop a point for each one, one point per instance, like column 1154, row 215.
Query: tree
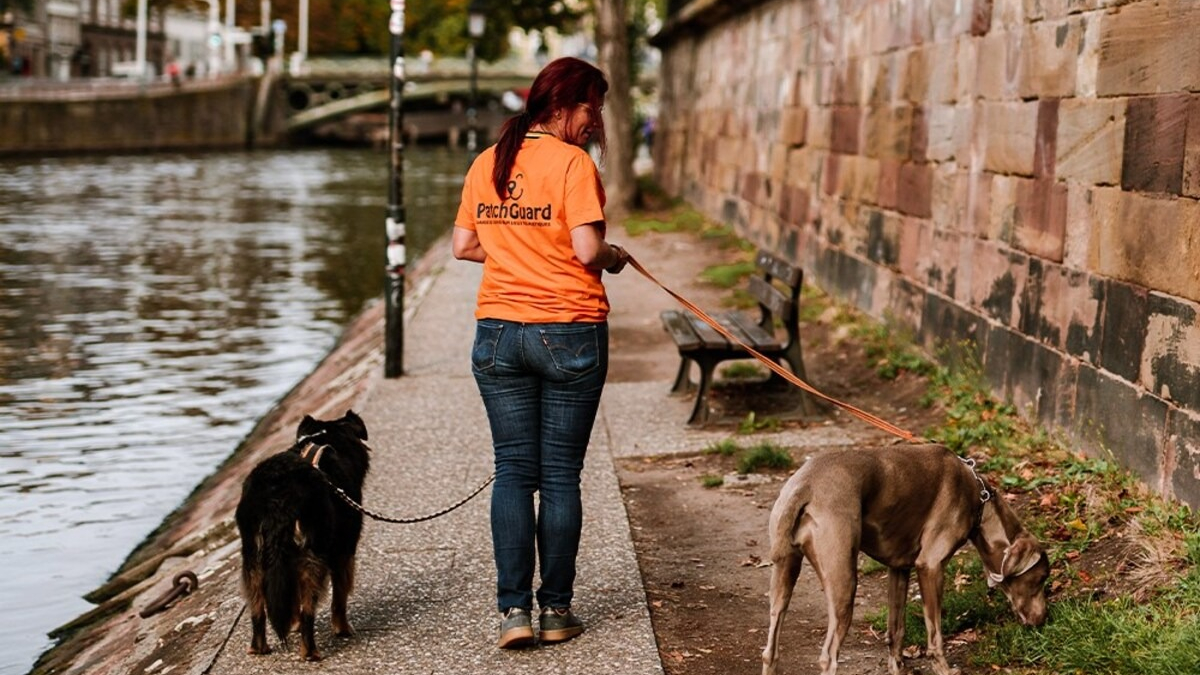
column 612, row 40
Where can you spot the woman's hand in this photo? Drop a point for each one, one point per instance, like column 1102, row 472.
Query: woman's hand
column 622, row 257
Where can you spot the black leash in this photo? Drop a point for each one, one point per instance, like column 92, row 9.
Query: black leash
column 402, row 521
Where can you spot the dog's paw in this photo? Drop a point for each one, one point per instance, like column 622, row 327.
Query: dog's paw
column 258, row 651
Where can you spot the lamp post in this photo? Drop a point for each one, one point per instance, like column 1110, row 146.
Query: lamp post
column 476, row 22
column 140, row 43
column 393, row 331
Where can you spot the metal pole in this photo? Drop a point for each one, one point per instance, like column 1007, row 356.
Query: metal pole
column 472, row 111
column 230, row 14
column 303, row 42
column 140, row 45
column 393, row 337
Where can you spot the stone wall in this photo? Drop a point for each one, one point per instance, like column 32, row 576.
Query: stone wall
column 1020, row 173
column 157, row 117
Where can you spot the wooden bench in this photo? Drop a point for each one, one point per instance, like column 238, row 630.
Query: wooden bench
column 702, row 344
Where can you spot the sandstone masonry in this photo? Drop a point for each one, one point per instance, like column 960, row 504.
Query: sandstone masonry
column 1020, row 173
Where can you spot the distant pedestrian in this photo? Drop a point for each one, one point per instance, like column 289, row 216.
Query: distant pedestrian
column 532, row 212
column 173, row 72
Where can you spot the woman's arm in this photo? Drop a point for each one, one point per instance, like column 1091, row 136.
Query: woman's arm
column 594, row 252
column 466, row 245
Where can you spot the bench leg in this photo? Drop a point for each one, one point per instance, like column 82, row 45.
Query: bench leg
column 795, row 360
column 683, row 383
column 700, row 408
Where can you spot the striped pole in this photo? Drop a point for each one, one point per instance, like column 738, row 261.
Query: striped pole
column 393, row 338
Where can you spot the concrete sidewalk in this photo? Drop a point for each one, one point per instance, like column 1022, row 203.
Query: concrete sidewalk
column 425, row 595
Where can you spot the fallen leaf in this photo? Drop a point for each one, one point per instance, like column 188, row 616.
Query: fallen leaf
column 1077, row 525
column 752, row 561
column 1072, row 555
column 708, row 588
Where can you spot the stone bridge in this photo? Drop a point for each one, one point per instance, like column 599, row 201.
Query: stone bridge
column 436, row 94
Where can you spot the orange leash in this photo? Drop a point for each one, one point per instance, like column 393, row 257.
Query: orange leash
column 775, row 367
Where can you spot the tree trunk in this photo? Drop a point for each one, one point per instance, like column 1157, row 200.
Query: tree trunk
column 612, row 41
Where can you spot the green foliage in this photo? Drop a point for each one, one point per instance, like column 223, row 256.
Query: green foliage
column 890, row 351
column 1117, row 637
column 764, row 456
column 729, row 275
column 726, row 448
column 974, row 419
column 743, row 370
column 751, row 423
column 709, row 480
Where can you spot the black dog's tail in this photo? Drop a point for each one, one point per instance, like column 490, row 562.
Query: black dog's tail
column 282, row 556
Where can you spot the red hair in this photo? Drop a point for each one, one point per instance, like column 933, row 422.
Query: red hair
column 562, row 84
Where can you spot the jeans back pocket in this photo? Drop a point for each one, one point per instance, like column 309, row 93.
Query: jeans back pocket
column 574, row 349
column 483, row 351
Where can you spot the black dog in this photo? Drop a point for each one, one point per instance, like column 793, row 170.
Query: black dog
column 297, row 533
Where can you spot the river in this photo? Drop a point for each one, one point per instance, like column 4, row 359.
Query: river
column 152, row 309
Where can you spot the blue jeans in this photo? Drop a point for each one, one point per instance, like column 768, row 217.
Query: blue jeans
column 541, row 386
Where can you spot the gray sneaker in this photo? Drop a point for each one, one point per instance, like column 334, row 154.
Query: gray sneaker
column 516, row 629
column 559, row 624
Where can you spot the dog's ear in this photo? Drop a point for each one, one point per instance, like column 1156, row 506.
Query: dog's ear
column 1021, row 556
column 355, row 423
column 307, row 426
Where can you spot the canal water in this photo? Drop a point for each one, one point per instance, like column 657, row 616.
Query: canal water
column 152, row 309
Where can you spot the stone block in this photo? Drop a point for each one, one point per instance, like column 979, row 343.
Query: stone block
column 1010, row 133
column 939, row 132
column 1191, row 154
column 820, row 128
column 793, row 204
column 1051, row 57
column 1151, row 242
column 915, row 189
column 998, row 280
column 1183, row 451
column 1149, row 48
column 1040, row 10
column 918, row 144
column 1111, row 415
column 866, row 181
column 1090, row 211
column 947, row 206
column 829, row 176
column 793, row 125
column 1123, row 335
column 889, row 183
column 887, row 132
column 1003, row 207
column 1087, row 66
column 1041, row 218
column 943, row 73
column 978, row 203
column 944, row 256
column 1069, row 313
column 916, row 236
column 967, row 59
column 882, row 245
column 1091, row 140
column 1155, row 134
column 1170, row 366
column 1007, row 13
column 914, row 87
column 998, row 66
column 845, row 129
column 945, row 323
column 1047, row 137
column 1038, row 380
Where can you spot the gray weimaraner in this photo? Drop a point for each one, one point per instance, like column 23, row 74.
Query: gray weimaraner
column 909, row 507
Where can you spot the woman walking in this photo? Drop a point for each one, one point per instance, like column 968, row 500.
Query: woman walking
column 532, row 213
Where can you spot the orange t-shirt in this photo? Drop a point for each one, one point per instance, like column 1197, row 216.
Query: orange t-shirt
column 531, row 274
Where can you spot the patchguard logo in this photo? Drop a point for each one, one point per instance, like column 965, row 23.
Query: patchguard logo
column 514, row 213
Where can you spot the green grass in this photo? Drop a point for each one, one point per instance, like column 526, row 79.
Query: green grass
column 726, row 448
column 764, row 456
column 752, row 424
column 966, row 603
column 743, row 370
column 1118, row 636
column 728, row 275
column 709, row 480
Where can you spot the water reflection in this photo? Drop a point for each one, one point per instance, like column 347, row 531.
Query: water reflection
column 152, row 308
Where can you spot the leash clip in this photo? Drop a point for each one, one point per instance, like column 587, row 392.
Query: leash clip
column 985, row 495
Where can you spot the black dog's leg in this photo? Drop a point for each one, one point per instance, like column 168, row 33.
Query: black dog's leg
column 258, row 616
column 343, row 583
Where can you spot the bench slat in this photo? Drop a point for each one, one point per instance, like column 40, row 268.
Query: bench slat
column 787, row 273
column 681, row 331
column 759, row 338
column 779, row 304
column 708, row 335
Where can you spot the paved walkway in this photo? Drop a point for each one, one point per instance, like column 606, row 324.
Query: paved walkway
column 425, row 600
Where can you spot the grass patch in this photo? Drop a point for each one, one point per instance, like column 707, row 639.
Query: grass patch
column 764, row 456
column 709, row 480
column 752, row 424
column 743, row 370
column 890, row 351
column 725, row 448
column 728, row 275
